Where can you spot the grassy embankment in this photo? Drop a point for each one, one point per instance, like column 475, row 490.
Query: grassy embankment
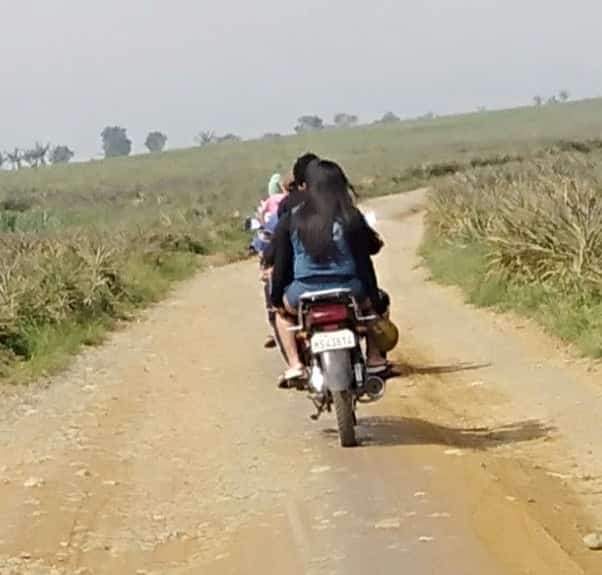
column 526, row 237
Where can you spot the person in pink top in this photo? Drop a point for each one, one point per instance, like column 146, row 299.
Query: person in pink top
column 267, row 214
column 276, row 193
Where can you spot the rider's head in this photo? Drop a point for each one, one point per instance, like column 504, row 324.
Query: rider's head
column 328, row 199
column 328, row 183
column 300, row 169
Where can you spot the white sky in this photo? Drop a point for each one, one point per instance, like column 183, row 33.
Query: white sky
column 70, row 67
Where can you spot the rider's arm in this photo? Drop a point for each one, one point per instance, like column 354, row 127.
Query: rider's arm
column 365, row 242
column 267, row 259
column 372, row 239
column 283, row 207
column 367, row 275
column 282, row 259
column 365, row 236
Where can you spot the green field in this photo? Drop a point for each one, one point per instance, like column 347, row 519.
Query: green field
column 233, row 176
column 83, row 245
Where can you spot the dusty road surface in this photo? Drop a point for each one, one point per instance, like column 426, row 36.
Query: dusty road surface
column 170, row 450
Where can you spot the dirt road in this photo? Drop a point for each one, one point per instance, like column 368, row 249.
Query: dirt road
column 170, row 450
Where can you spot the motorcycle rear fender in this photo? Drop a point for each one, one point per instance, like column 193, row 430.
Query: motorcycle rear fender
column 337, row 369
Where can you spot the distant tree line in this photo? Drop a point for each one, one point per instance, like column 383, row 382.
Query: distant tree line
column 312, row 123
column 37, row 156
column 209, row 137
column 116, row 143
column 560, row 98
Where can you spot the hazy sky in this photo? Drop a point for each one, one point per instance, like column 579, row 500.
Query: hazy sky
column 70, row 67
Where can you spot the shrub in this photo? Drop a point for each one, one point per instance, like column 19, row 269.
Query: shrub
column 542, row 223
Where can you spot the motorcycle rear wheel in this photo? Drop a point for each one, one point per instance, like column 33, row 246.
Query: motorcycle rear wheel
column 343, row 407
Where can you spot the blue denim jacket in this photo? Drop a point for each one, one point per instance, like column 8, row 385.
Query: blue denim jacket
column 341, row 265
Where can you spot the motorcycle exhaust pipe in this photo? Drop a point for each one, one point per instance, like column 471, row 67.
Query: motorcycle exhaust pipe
column 375, row 387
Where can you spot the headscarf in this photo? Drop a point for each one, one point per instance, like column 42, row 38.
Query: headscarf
column 274, row 185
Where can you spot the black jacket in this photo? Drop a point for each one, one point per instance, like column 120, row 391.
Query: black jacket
column 293, row 199
column 363, row 241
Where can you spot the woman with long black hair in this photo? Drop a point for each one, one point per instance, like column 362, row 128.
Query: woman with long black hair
column 324, row 243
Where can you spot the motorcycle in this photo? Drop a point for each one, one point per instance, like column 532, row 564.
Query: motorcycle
column 330, row 334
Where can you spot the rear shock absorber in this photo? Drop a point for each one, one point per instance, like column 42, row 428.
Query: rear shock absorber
column 359, row 370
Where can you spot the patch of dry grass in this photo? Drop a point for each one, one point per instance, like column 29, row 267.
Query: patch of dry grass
column 530, row 236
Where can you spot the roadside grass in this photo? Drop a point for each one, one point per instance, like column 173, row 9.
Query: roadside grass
column 43, row 348
column 52, row 345
column 53, row 303
column 576, row 320
column 515, row 246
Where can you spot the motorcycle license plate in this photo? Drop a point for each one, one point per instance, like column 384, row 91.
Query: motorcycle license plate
column 332, row 340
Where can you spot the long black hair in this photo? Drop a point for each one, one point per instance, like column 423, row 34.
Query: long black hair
column 300, row 169
column 328, row 199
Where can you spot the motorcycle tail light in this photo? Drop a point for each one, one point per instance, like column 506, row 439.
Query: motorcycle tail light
column 328, row 314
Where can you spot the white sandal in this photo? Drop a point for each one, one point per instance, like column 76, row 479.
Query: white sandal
column 294, row 373
column 287, row 379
